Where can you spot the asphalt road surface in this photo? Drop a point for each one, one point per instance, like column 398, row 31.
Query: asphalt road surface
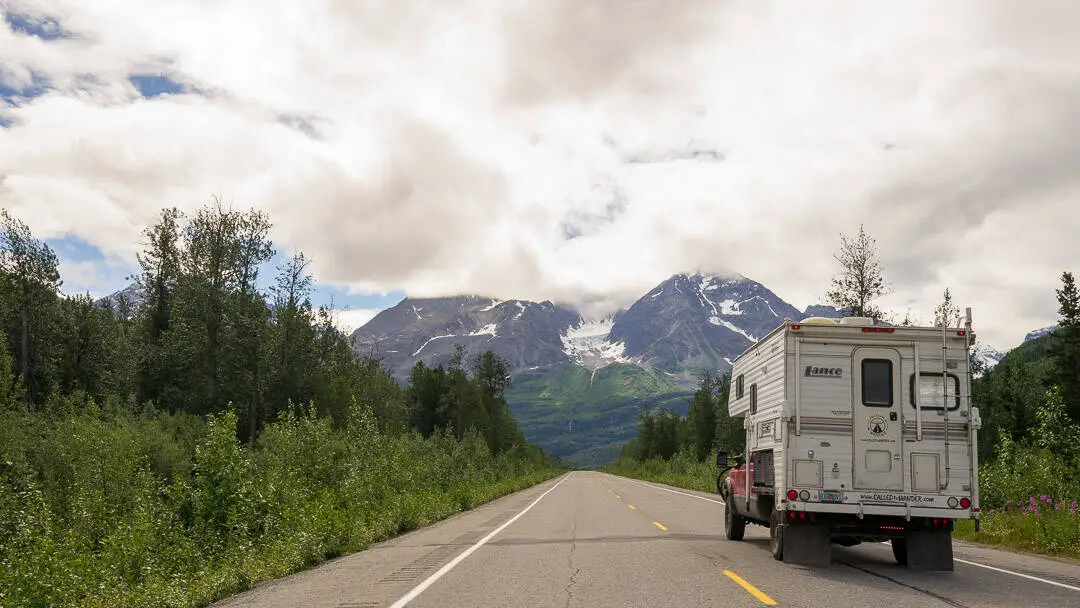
column 591, row 539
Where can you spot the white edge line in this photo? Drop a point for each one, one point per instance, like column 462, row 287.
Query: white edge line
column 1028, row 576
column 641, row 483
column 417, row 590
column 962, row 561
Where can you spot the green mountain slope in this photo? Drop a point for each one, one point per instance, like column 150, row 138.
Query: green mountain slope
column 586, row 417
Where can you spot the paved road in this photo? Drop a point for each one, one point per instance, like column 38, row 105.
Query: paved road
column 591, row 539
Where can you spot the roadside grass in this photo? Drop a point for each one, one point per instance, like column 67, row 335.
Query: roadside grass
column 1039, row 524
column 682, row 470
column 170, row 510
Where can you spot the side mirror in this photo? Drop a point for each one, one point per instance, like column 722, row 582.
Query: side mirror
column 721, row 460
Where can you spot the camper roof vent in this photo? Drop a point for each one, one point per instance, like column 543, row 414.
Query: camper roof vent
column 857, row 321
column 818, row 321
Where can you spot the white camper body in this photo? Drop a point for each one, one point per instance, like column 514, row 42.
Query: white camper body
column 856, row 432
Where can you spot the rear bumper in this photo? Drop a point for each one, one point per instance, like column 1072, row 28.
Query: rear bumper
column 876, row 509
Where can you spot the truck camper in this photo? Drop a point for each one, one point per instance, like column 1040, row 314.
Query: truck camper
column 855, row 432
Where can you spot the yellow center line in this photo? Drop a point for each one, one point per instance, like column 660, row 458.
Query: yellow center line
column 752, row 590
column 632, row 507
column 619, row 497
column 660, row 525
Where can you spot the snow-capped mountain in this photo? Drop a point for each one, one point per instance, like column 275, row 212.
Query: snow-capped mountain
column 1038, row 333
column 687, row 324
column 527, row 334
column 701, row 321
column 986, row 356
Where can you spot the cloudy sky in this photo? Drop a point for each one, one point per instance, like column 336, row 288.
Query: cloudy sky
column 569, row 150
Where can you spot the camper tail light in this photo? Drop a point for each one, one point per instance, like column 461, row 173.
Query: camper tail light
column 953, row 502
column 878, row 330
column 796, row 326
column 792, row 495
column 965, row 503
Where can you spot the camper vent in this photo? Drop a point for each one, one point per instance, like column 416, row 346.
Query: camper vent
column 857, row 321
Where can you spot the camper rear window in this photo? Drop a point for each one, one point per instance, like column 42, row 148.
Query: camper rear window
column 739, row 387
column 877, row 382
column 931, row 392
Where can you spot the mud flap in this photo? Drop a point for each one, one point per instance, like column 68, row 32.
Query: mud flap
column 807, row 545
column 929, row 550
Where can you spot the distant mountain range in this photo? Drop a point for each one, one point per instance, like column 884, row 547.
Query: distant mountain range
column 683, row 326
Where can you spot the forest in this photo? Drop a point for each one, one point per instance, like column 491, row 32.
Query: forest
column 199, row 433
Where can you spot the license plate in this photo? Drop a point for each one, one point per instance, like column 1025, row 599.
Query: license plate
column 830, row 496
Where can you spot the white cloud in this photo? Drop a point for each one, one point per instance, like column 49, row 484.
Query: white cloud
column 446, row 150
column 349, row 321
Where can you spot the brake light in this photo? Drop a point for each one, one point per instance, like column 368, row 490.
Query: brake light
column 965, row 503
column 900, row 528
column 961, row 333
column 792, row 495
column 878, row 330
column 796, row 327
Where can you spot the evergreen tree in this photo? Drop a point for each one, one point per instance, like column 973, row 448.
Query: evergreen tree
column 492, row 377
column 31, row 280
column 703, row 417
column 860, row 281
column 290, row 338
column 730, row 434
column 463, row 403
column 160, row 264
column 1065, row 349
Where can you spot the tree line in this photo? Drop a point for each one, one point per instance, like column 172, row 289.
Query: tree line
column 200, row 336
column 706, row 426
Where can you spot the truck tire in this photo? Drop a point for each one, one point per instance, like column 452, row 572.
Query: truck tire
column 899, row 550
column 776, row 536
column 734, row 524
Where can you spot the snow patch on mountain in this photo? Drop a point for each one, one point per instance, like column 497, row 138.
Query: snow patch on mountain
column 494, row 303
column 487, row 330
column 587, row 344
column 429, row 341
column 728, row 324
column 730, row 308
column 987, row 355
column 1038, row 333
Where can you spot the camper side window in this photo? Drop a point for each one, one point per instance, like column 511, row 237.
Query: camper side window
column 931, row 391
column 753, row 398
column 739, row 387
column 877, row 382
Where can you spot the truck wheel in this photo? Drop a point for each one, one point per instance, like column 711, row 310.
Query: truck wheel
column 734, row 524
column 899, row 550
column 776, row 536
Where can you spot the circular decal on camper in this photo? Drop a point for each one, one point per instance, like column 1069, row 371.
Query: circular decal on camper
column 877, row 425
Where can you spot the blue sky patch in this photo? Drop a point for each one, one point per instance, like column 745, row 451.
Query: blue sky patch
column 75, row 249
column 91, row 270
column 37, row 87
column 84, row 268
column 151, row 86
column 45, row 28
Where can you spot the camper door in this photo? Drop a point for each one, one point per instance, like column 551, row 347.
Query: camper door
column 876, row 419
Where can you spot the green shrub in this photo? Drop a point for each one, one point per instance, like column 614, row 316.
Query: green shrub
column 105, row 509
